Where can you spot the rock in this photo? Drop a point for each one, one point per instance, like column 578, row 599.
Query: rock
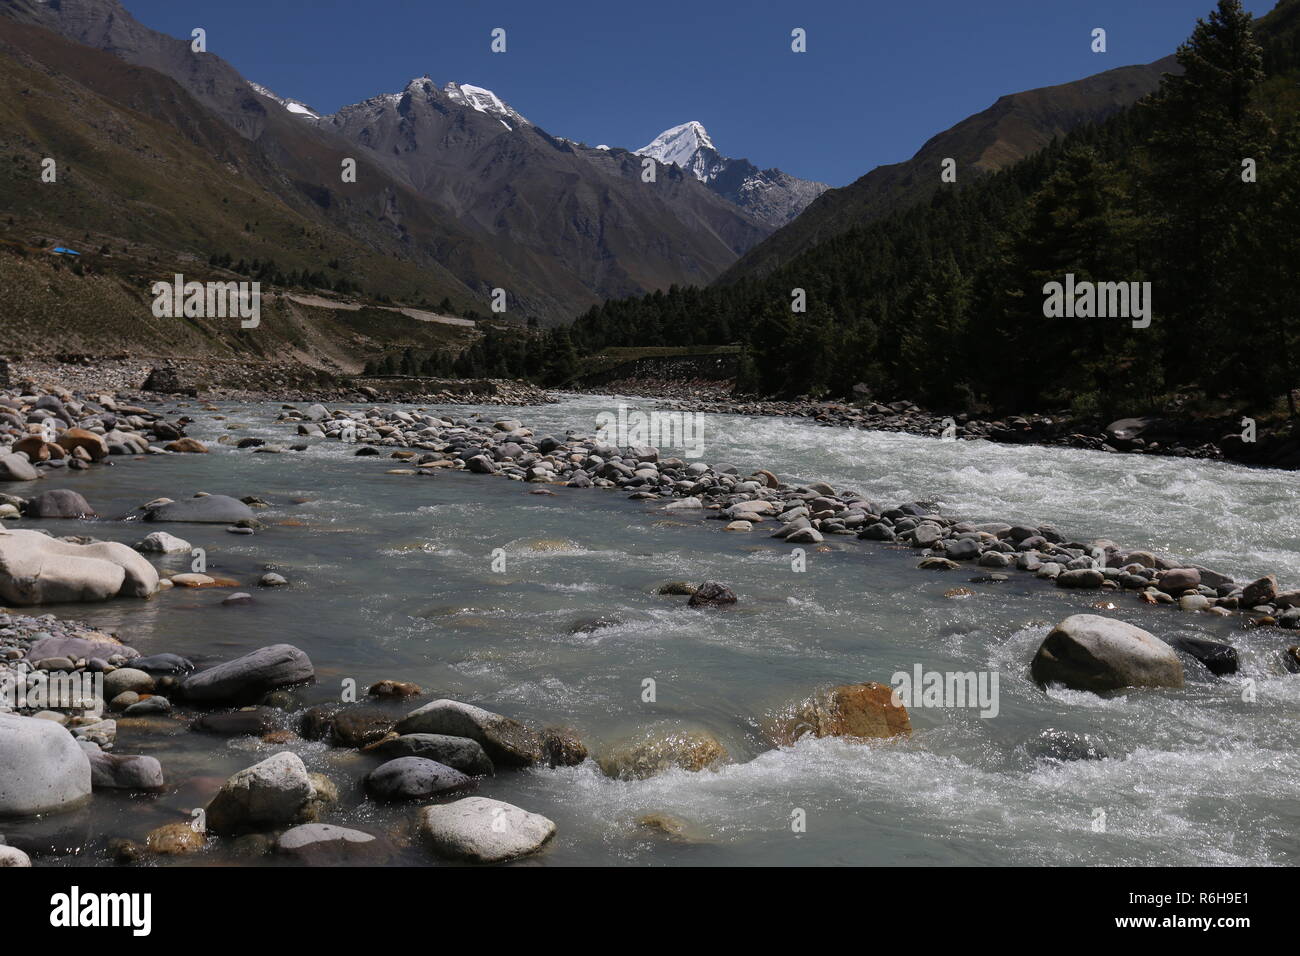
column 691, row 750
column 459, row 753
column 187, row 446
column 160, row 542
column 59, row 503
column 208, row 509
column 323, row 844
column 1218, row 658
column 563, row 747
column 413, row 778
column 175, row 839
column 1263, row 591
column 712, row 594
column 91, row 644
column 121, row 772
column 127, row 679
column 273, row 580
column 248, row 722
column 239, row 598
column 962, row 549
column 1177, row 580
column 678, row 588
column 93, row 445
column 250, row 676
column 394, row 690
column 163, row 664
column 852, row 710
column 935, row 563
column 154, row 704
column 38, row 569
column 506, row 741
column 267, row 795
column 16, row 468
column 479, row 830
column 1089, row 652
column 347, row 726
column 804, row 536
column 1080, row 578
column 12, row 856
column 42, row 770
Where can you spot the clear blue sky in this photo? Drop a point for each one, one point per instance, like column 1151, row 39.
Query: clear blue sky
column 878, row 80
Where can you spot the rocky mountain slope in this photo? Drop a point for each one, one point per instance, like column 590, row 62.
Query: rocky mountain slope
column 1014, row 127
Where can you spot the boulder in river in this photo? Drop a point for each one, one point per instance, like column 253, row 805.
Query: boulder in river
column 59, row 503
column 42, row 768
column 247, row 678
column 1261, row 591
column 657, row 752
column 508, row 742
column 160, row 542
column 414, row 778
column 1094, row 653
column 11, row 856
column 323, row 844
column 16, row 468
column 274, row 793
column 347, row 725
column 864, row 711
column 1218, row 658
column 479, row 830
column 712, row 594
column 459, row 753
column 205, row 509
column 124, row 772
column 38, row 569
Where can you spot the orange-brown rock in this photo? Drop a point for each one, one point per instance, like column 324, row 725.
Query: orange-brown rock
column 853, row 710
column 192, row 445
column 174, row 839
column 92, row 444
column 34, row 447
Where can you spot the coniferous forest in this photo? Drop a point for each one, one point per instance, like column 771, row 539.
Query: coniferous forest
column 1196, row 189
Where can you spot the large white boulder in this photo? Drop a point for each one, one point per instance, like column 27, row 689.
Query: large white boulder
column 1090, row 652
column 38, row 569
column 42, row 768
column 479, row 830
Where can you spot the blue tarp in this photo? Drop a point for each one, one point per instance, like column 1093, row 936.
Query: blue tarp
column 68, row 252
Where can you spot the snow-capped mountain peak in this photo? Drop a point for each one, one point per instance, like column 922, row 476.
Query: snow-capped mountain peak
column 767, row 194
column 679, row 146
column 484, row 101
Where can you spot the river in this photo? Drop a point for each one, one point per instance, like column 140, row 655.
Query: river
column 392, row 577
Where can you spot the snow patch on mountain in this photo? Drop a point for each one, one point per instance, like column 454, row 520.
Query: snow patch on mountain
column 484, row 101
column 293, row 106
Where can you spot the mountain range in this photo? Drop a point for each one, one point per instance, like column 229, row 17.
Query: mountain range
column 456, row 193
